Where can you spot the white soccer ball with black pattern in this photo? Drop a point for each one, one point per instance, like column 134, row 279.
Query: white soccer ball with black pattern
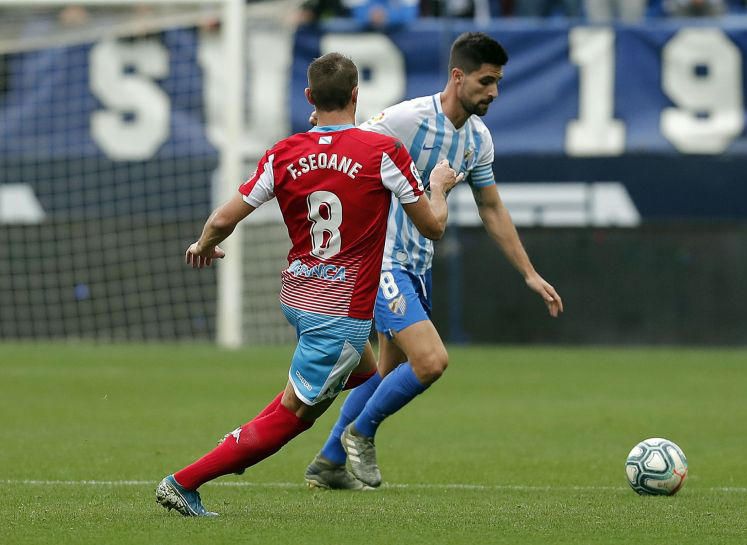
column 656, row 467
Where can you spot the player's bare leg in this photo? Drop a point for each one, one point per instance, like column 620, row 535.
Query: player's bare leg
column 390, row 355
column 427, row 360
column 329, row 472
column 425, row 351
column 367, row 365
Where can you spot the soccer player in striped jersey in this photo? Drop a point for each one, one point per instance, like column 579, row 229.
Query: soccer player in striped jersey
column 412, row 356
column 334, row 186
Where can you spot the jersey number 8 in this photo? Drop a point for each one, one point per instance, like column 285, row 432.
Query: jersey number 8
column 388, row 285
column 325, row 214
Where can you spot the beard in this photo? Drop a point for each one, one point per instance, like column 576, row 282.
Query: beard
column 476, row 108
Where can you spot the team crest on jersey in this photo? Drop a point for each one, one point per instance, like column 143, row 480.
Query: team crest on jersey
column 468, row 153
column 398, row 305
column 377, row 118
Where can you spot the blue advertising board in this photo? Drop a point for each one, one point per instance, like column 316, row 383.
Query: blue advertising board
column 656, row 109
column 583, row 91
column 655, row 112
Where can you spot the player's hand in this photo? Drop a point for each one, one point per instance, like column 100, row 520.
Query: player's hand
column 444, row 178
column 199, row 257
column 313, row 119
column 551, row 298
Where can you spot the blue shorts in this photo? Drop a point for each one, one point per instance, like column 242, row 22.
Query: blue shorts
column 329, row 348
column 404, row 298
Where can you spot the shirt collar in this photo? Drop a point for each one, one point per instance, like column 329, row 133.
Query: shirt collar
column 333, row 128
column 437, row 103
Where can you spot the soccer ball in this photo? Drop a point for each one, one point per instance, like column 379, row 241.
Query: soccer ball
column 656, row 467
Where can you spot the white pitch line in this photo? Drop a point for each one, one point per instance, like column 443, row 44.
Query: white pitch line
column 404, row 486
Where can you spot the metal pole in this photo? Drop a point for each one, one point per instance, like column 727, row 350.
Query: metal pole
column 230, row 308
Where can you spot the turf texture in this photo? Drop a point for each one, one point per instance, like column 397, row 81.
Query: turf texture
column 513, row 446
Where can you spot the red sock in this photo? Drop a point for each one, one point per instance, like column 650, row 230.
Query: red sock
column 255, row 441
column 272, row 406
column 356, row 379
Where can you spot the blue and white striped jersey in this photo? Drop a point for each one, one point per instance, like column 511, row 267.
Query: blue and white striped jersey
column 429, row 137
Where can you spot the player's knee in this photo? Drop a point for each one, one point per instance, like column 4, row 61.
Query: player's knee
column 431, row 366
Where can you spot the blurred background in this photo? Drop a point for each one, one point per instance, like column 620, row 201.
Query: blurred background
column 619, row 139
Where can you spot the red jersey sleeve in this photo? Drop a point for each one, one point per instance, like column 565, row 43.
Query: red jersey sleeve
column 399, row 173
column 260, row 188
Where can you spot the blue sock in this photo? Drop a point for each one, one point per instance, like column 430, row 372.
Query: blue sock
column 395, row 391
column 356, row 400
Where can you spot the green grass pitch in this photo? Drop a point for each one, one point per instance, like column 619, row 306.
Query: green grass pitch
column 512, row 446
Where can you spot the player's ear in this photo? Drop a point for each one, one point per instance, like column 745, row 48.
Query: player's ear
column 457, row 74
column 307, row 92
column 354, row 97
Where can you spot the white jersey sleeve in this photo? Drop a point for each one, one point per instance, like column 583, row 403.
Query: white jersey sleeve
column 260, row 188
column 403, row 181
column 482, row 173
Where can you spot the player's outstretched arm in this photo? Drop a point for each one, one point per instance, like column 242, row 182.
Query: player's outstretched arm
column 218, row 226
column 500, row 227
column 429, row 215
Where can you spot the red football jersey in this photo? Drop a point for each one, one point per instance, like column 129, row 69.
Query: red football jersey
column 334, row 188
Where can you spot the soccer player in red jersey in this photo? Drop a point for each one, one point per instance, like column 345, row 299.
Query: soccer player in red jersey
column 334, row 186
